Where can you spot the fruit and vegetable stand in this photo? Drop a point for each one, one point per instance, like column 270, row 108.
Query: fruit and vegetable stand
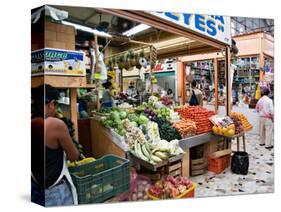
column 152, row 135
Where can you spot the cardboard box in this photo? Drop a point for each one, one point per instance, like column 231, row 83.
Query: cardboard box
column 55, row 44
column 50, row 35
column 62, row 62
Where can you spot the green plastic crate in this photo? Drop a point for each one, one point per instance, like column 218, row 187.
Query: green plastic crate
column 102, row 179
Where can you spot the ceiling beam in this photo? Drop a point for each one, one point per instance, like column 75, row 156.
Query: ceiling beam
column 93, row 14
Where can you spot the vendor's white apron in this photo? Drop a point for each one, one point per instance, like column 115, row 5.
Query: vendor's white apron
column 65, row 172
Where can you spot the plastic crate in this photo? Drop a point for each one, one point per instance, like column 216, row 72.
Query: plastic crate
column 102, row 179
column 217, row 165
column 189, row 193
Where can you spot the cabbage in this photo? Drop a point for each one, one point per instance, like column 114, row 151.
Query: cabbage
column 123, row 115
column 142, row 120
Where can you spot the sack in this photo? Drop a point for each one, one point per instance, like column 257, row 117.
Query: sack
column 193, row 100
column 240, row 163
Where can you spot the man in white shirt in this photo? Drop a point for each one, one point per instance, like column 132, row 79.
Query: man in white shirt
column 265, row 110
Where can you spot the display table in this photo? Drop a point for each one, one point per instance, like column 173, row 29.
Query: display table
column 210, row 146
column 105, row 141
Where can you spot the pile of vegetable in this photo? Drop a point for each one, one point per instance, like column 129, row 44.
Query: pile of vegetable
column 139, row 186
column 155, row 152
column 139, row 189
column 199, row 115
column 152, row 131
column 246, row 124
column 166, row 101
column 170, row 187
column 114, row 121
column 185, row 127
column 164, row 113
column 133, row 134
column 166, row 131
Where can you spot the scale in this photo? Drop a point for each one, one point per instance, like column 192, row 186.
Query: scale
column 140, row 86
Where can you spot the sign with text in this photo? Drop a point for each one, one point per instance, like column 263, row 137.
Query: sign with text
column 57, row 62
column 214, row 26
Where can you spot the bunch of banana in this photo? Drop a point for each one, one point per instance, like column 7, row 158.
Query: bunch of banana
column 146, row 153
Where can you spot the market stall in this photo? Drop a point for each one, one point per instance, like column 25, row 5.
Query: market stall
column 154, row 136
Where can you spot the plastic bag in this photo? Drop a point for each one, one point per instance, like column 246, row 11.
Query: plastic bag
column 240, row 163
column 139, row 186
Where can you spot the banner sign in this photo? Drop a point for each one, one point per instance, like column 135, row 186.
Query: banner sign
column 57, row 62
column 214, row 26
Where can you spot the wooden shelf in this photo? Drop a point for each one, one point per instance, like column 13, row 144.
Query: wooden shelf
column 59, row 81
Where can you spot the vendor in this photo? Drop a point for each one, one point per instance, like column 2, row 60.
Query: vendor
column 131, row 92
column 196, row 97
column 51, row 144
column 107, row 100
column 170, row 93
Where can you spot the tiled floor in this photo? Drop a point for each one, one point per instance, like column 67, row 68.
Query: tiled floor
column 260, row 178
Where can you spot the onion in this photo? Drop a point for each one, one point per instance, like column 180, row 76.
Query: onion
column 134, row 197
column 140, row 195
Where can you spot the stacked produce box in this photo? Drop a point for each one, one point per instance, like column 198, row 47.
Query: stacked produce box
column 199, row 115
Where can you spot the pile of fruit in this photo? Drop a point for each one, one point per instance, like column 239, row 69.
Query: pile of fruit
column 80, row 162
column 185, row 127
column 199, row 115
column 238, row 125
column 170, row 187
column 246, row 124
column 226, row 131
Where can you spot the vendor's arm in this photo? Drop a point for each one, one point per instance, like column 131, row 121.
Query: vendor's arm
column 60, row 131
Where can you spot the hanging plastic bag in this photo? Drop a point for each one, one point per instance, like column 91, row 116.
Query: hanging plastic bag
column 240, row 163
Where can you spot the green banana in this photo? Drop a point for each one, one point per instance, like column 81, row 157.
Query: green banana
column 156, row 159
column 140, row 153
column 145, row 151
column 161, row 155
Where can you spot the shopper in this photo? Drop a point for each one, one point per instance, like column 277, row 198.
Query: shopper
column 265, row 110
column 51, row 144
column 196, row 97
column 107, row 96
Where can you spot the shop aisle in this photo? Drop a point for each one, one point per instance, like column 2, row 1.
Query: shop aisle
column 260, row 178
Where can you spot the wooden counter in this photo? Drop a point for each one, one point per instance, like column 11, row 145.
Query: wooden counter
column 102, row 141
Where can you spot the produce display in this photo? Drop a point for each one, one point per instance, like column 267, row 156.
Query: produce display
column 199, row 115
column 185, row 127
column 170, row 187
column 152, row 152
column 166, row 101
column 166, row 130
column 114, row 121
column 80, row 162
column 152, row 131
column 238, row 125
column 226, row 131
column 246, row 124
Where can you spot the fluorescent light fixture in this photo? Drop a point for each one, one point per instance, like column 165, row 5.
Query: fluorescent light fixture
column 88, row 29
column 136, row 29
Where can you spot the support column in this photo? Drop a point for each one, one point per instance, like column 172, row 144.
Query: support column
column 228, row 81
column 216, row 85
column 73, row 111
